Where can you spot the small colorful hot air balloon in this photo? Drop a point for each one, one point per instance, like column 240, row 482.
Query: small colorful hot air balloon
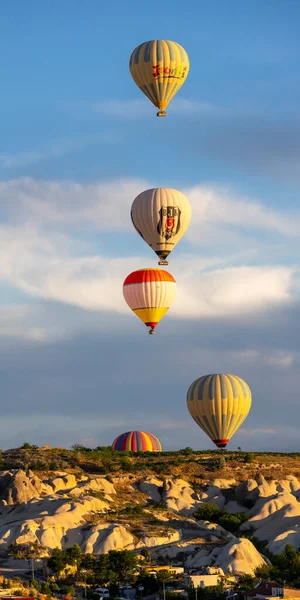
column 137, row 441
column 219, row 404
column 161, row 216
column 159, row 68
column 149, row 293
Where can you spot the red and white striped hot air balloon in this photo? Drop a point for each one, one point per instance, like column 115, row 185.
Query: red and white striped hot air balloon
column 149, row 293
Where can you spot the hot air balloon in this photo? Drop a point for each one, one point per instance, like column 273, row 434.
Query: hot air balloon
column 149, row 293
column 161, row 216
column 159, row 68
column 137, row 441
column 219, row 404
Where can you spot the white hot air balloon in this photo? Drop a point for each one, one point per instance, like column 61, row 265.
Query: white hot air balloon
column 161, row 216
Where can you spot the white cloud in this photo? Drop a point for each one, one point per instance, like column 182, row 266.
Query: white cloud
column 44, row 269
column 213, row 205
column 232, row 290
column 105, row 205
column 44, row 260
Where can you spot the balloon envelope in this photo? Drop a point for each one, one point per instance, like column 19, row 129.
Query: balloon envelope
column 149, row 293
column 159, row 68
column 219, row 404
column 161, row 216
column 137, row 441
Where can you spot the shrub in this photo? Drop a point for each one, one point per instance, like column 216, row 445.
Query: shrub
column 127, row 465
column 249, row 457
column 210, row 512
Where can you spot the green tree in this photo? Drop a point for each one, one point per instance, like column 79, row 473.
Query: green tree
column 249, row 457
column 57, row 561
column 35, row 584
column 45, row 588
column 207, row 512
column 73, row 555
column 149, row 582
column 245, row 583
column 122, row 563
column 102, row 568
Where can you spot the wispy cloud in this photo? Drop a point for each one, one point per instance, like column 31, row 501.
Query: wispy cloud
column 277, row 358
column 138, row 108
column 257, row 431
column 213, row 205
column 105, row 205
column 54, row 149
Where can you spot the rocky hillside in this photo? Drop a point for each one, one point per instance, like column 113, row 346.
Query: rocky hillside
column 135, row 507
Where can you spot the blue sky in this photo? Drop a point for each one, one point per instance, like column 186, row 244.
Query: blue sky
column 78, row 142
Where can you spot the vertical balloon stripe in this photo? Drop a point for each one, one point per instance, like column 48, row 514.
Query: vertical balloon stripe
column 211, row 388
column 192, row 390
column 223, row 386
column 208, row 425
column 146, row 91
column 243, row 386
column 233, row 385
column 172, row 50
column 137, row 54
column 145, row 442
column 147, row 49
column 201, row 387
column 159, row 50
column 224, row 419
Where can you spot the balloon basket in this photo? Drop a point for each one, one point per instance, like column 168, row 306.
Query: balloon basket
column 161, row 113
column 163, row 262
column 151, row 332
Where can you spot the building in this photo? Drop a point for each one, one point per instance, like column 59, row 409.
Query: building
column 271, row 590
column 170, row 569
column 202, row 581
column 291, row 592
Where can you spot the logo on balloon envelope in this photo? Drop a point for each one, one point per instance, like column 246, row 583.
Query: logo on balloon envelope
column 178, row 72
column 169, row 223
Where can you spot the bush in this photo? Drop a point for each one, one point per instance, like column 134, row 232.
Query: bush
column 126, row 465
column 186, row 451
column 249, row 457
column 210, row 512
column 53, row 465
column 107, row 465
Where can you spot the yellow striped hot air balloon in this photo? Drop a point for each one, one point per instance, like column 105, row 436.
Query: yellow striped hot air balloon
column 219, row 404
column 159, row 68
column 149, row 293
column 161, row 216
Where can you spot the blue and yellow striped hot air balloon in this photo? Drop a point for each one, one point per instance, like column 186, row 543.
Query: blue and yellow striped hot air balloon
column 159, row 68
column 219, row 404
